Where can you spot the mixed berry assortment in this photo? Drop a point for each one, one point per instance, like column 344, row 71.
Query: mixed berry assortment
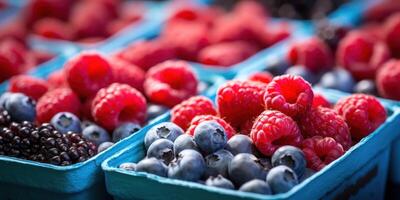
column 265, row 135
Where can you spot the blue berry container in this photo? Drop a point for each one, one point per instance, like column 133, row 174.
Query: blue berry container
column 360, row 173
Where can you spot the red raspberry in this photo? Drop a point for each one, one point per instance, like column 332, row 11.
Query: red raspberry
column 204, row 15
column 125, row 72
column 13, row 29
column 362, row 113
column 202, row 118
column 273, row 129
column 250, row 7
column 57, row 79
column 116, row 26
column 183, row 113
column 312, row 53
column 55, row 101
column 88, row 72
column 325, row 122
column 289, row 94
column 392, row 34
column 30, row 86
column 116, row 104
column 53, row 28
column 132, row 11
column 320, row 151
column 91, row 40
column 361, row 54
column 112, row 6
column 38, row 9
column 41, row 56
column 262, row 77
column 382, row 10
column 240, row 101
column 86, row 110
column 226, row 54
column 388, row 79
column 320, row 100
column 170, row 82
column 146, row 54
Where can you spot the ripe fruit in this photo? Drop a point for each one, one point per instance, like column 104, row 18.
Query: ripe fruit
column 152, row 166
column 189, row 165
column 162, row 149
column 388, row 78
column 240, row 144
column 20, row 107
column 220, row 182
column 210, row 137
column 125, row 130
column 28, row 85
column 66, row 122
column 245, row 167
column 256, row 186
column 217, row 163
column 183, row 142
column 165, row 130
column 291, row 157
column 201, row 118
column 281, row 179
column 96, row 134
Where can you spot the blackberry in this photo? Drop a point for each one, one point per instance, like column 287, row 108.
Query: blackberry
column 330, row 33
column 5, row 118
column 43, row 144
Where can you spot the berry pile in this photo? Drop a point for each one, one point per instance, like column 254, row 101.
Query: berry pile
column 263, row 137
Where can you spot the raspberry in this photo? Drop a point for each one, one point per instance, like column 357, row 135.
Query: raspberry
column 42, row 56
column 362, row 113
column 13, row 29
column 116, row 104
column 289, row 94
column 88, row 72
column 226, row 53
column 125, row 72
column 28, row 85
column 250, row 8
column 388, row 79
column 38, row 9
column 146, row 54
column 361, row 55
column 53, row 28
column 203, row 15
column 202, row 118
column 86, row 109
column 170, row 82
column 262, row 77
column 325, row 122
column 382, row 10
column 183, row 113
column 392, row 34
column 57, row 79
column 55, row 101
column 320, row 100
column 312, row 53
column 320, row 151
column 240, row 101
column 273, row 129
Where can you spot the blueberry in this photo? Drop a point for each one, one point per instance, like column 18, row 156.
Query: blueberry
column 292, row 157
column 20, row 107
column 86, row 123
column 152, row 166
column 266, row 163
column 281, row 179
column 188, row 165
column 256, row 186
column 96, row 134
column 210, row 136
column 307, row 174
column 154, row 110
column 66, row 122
column 183, row 142
column 339, row 79
column 103, row 146
column 165, row 130
column 128, row 166
column 303, row 72
column 217, row 163
column 240, row 144
column 161, row 149
column 220, row 182
column 3, row 98
column 366, row 87
column 277, row 65
column 245, row 167
column 125, row 130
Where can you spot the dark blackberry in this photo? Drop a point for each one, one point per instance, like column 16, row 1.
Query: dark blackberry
column 331, row 34
column 5, row 118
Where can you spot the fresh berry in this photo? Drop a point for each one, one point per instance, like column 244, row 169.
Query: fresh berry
column 217, row 163
column 210, row 137
column 291, row 157
column 312, row 53
column 165, row 130
column 245, row 167
column 321, row 151
column 240, row 144
column 320, row 100
column 239, row 102
column 3, row 98
column 366, row 87
column 28, row 85
column 54, row 29
column 41, row 56
column 387, row 80
column 170, row 82
column 57, row 79
column 104, row 146
column 5, row 118
column 183, row 113
column 154, row 110
column 161, row 149
column 189, row 165
column 195, row 14
column 273, row 129
column 21, row 107
column 202, row 118
column 117, row 104
column 250, row 7
column 291, row 95
column 338, row 79
column 263, row 77
column 391, row 30
column 66, row 122
column 183, row 142
column 38, row 9
column 88, row 72
column 128, row 166
column 96, row 134
column 125, row 130
column 152, row 166
column 362, row 113
column 14, row 59
column 277, row 65
column 281, row 179
column 220, row 182
column 360, row 54
column 127, row 73
column 256, row 186
column 304, row 72
column 330, row 33
column 56, row 101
